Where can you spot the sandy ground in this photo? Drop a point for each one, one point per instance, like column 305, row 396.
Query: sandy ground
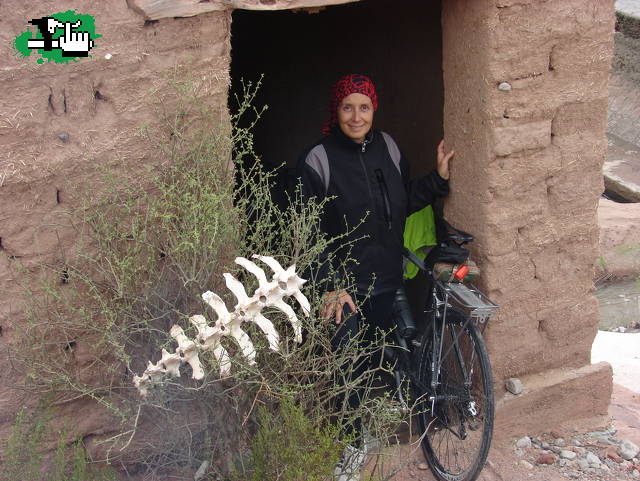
column 622, row 351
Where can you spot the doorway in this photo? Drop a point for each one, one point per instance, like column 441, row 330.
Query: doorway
column 301, row 54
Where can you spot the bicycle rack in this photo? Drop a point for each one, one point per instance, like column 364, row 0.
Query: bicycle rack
column 479, row 307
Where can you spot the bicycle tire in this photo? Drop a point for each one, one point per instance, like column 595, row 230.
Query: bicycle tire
column 456, row 442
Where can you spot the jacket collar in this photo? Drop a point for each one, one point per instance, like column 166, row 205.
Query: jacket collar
column 348, row 143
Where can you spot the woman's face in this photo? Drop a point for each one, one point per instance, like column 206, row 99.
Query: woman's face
column 355, row 116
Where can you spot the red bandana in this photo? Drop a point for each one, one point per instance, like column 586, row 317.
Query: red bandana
column 345, row 86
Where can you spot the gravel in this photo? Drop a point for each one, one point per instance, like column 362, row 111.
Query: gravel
column 583, row 464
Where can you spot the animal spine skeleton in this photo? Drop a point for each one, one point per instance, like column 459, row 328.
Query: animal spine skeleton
column 285, row 282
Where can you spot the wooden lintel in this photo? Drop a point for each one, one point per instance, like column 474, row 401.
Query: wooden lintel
column 158, row 9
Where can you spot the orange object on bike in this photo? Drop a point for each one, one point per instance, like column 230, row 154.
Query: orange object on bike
column 461, row 272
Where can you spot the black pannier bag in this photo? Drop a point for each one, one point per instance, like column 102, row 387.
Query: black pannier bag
column 447, row 251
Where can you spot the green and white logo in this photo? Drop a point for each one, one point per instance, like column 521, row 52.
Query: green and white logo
column 58, row 38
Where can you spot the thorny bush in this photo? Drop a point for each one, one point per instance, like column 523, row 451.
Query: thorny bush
column 153, row 239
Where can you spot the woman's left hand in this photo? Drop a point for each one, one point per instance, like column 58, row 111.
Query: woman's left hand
column 443, row 160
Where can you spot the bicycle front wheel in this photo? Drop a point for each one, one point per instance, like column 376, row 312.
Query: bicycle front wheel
column 456, row 418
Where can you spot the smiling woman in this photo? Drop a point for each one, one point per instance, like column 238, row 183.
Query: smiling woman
column 355, row 116
column 365, row 179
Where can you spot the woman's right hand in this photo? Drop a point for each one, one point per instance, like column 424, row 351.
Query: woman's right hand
column 333, row 303
column 443, row 160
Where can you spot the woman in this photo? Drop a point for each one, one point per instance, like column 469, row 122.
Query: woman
column 365, row 172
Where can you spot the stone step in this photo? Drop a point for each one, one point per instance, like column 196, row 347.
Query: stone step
column 571, row 398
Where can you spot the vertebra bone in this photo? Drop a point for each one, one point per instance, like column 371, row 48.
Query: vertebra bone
column 248, row 309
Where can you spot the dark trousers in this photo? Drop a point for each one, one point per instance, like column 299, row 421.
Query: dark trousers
column 374, row 318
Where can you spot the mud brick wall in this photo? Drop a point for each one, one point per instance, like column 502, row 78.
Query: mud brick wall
column 525, row 109
column 59, row 123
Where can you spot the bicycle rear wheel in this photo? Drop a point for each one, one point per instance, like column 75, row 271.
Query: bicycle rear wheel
column 457, row 426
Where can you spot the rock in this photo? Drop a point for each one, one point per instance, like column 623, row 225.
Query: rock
column 555, row 434
column 526, row 464
column 524, row 442
column 513, row 385
column 577, row 442
column 593, row 460
column 518, row 452
column 612, row 453
column 636, row 473
column 108, row 56
column 423, row 466
column 604, row 440
column 628, row 450
column 547, row 458
column 545, row 445
column 504, row 86
column 580, row 450
column 583, row 464
column 64, row 136
column 201, row 471
column 605, row 468
column 566, row 454
column 562, row 463
column 556, row 449
column 622, row 329
column 559, row 442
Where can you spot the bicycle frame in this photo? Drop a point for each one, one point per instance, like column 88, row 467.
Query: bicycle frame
column 442, row 297
column 448, row 367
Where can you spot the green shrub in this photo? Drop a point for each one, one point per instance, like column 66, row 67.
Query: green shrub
column 151, row 244
column 288, row 446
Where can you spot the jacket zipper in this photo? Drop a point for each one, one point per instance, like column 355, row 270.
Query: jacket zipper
column 366, row 175
column 384, row 192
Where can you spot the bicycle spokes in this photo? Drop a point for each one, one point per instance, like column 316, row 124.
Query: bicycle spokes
column 457, row 429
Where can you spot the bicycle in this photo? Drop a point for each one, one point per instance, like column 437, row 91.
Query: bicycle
column 448, row 367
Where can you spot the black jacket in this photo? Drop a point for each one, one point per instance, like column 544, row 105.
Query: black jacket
column 370, row 181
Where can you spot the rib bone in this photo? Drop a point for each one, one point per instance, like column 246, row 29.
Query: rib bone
column 248, row 309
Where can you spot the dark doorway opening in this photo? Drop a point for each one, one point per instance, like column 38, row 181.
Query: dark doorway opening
column 301, row 54
column 397, row 44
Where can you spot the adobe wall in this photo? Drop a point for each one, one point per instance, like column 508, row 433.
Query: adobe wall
column 525, row 109
column 40, row 173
